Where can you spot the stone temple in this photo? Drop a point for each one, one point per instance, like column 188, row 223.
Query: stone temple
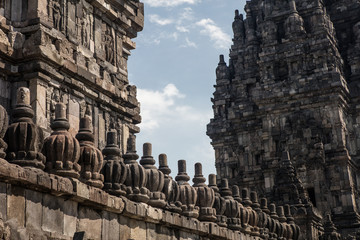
column 284, row 129
column 286, row 109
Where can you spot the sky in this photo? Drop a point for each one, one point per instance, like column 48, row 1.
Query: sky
column 173, row 67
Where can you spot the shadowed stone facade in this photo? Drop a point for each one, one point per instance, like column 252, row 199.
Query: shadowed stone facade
column 286, row 115
column 74, row 52
column 69, row 167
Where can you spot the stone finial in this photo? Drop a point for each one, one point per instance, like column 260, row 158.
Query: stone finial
column 264, row 219
column 182, row 175
column 114, row 170
column 224, row 188
column 24, row 138
column 212, row 182
column 294, row 24
column 245, row 197
column 232, row 211
column 263, row 205
column 272, row 209
column 91, row 158
column 236, row 193
column 147, row 161
column 155, row 178
column 199, row 180
column 130, row 156
column 188, row 194
column 238, row 28
column 206, row 196
column 219, row 203
column 254, row 199
column 287, row 212
column 280, row 213
column 171, row 188
column 3, row 127
column 61, row 149
column 136, row 178
column 163, row 164
column 222, row 71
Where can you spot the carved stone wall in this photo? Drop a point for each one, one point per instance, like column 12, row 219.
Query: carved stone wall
column 291, row 85
column 74, row 52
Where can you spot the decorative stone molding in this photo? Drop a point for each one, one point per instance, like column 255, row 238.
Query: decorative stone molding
column 61, row 149
column 114, row 171
column 232, row 206
column 188, row 194
column 205, row 196
column 155, row 178
column 171, row 188
column 219, row 203
column 24, row 138
column 91, row 159
column 136, row 177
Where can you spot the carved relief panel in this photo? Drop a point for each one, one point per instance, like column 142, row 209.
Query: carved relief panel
column 108, row 41
column 86, row 27
column 56, row 14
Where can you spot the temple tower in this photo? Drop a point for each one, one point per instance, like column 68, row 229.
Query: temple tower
column 292, row 84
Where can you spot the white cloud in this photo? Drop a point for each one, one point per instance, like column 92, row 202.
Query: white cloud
column 189, row 43
column 169, row 3
column 182, row 29
column 209, row 28
column 154, row 18
column 157, row 38
column 160, row 108
column 187, row 14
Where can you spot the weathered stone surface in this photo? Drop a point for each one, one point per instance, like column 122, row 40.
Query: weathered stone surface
column 114, row 170
column 188, row 194
column 291, row 76
column 155, row 178
column 25, row 139
column 91, row 159
column 90, row 222
column 61, row 149
column 16, row 205
column 52, row 214
column 34, row 211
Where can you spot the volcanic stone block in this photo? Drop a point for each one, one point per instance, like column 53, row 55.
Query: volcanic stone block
column 70, row 217
column 110, row 226
column 90, row 222
column 33, row 209
column 52, row 215
column 16, row 204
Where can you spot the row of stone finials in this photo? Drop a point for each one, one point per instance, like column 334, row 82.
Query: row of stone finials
column 22, row 143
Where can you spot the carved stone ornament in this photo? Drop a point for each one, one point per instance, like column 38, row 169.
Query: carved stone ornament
column 171, row 188
column 206, row 196
column 24, row 138
column 61, row 149
column 114, row 170
column 243, row 212
column 91, row 159
column 4, row 121
column 188, row 194
column 136, row 176
column 155, row 178
column 219, row 203
column 232, row 206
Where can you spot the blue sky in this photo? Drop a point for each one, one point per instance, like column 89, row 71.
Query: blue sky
column 173, row 67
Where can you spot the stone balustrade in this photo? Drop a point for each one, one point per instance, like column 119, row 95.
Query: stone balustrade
column 65, row 172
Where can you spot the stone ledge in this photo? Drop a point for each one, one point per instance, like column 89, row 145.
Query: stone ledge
column 73, row 189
